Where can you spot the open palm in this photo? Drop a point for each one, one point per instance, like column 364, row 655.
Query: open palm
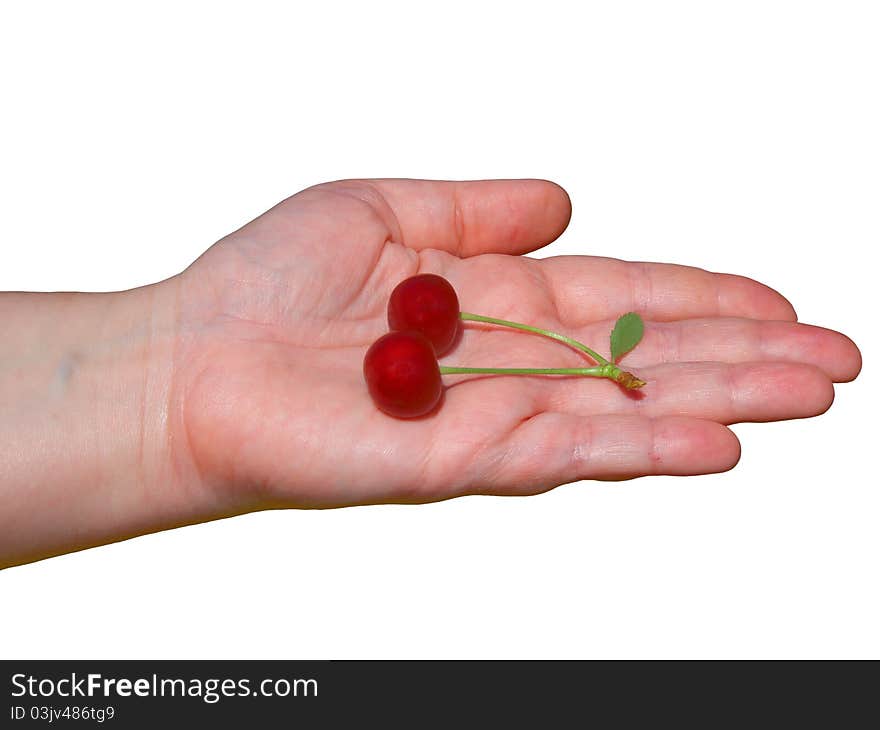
column 275, row 320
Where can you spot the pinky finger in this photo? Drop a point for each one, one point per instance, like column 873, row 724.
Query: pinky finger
column 550, row 449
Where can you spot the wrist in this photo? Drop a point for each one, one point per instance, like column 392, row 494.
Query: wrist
column 87, row 437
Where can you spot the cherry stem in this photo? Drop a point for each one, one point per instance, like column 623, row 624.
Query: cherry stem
column 468, row 317
column 598, row 371
column 608, row 370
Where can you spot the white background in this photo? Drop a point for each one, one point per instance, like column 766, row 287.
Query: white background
column 739, row 137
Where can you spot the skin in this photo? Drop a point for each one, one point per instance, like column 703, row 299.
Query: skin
column 237, row 386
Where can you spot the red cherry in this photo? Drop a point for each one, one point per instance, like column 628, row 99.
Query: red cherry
column 402, row 374
column 426, row 303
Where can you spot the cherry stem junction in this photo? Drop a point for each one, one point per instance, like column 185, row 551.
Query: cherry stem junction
column 468, row 317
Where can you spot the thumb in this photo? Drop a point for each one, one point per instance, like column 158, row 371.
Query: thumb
column 468, row 218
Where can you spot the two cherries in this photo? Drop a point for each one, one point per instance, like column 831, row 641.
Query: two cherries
column 401, row 368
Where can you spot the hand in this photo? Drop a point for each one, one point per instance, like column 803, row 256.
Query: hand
column 275, row 319
column 237, row 385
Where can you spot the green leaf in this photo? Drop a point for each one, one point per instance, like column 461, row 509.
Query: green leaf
column 627, row 333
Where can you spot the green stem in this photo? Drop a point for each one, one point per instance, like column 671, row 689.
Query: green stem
column 598, row 371
column 468, row 317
